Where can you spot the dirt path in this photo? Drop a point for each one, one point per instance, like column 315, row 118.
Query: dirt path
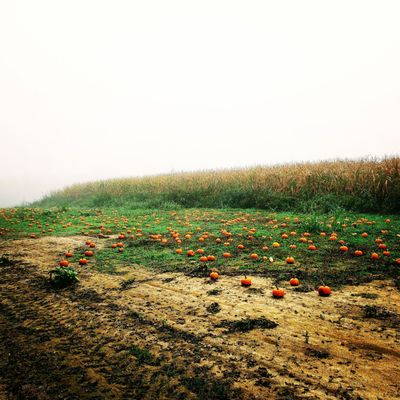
column 162, row 336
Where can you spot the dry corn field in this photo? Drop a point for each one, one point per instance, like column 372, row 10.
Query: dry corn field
column 364, row 185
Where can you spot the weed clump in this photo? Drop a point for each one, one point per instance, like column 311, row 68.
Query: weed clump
column 63, row 276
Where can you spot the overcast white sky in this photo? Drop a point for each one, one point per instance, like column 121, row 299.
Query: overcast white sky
column 100, row 89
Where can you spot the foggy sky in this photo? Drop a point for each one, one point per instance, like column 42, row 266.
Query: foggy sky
column 100, row 89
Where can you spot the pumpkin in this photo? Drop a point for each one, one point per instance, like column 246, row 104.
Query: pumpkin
column 240, row 246
column 278, row 293
column 382, row 246
column 245, row 282
column 68, row 254
column 190, row 253
column 63, row 263
column 83, row 261
column 121, row 236
column 92, row 245
column 114, row 245
column 275, row 244
column 374, row 256
column 343, row 249
column 214, row 275
column 227, row 255
column 364, row 234
column 312, row 247
column 211, row 258
column 254, row 256
column 178, row 251
column 289, row 260
column 203, row 259
column 324, row 291
column 358, row 253
column 32, row 236
column 294, row 282
column 88, row 253
column 200, row 251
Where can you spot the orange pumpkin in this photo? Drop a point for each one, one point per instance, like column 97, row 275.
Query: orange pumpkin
column 289, row 260
column 278, row 293
column 214, row 275
column 324, row 291
column 245, row 282
column 63, row 263
column 294, row 282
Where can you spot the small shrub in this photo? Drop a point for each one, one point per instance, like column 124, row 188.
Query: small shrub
column 63, row 276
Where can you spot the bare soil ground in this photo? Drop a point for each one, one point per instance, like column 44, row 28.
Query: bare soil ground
column 145, row 335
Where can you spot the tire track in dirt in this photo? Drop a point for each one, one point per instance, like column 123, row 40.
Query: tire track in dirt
column 83, row 343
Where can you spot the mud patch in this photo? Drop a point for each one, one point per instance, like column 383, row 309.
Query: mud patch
column 213, row 308
column 247, row 324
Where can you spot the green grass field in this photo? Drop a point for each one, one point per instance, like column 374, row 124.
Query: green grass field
column 152, row 237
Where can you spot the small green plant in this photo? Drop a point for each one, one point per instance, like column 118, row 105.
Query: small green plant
column 63, row 276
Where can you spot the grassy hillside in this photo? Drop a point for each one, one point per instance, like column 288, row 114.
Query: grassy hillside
column 364, row 185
